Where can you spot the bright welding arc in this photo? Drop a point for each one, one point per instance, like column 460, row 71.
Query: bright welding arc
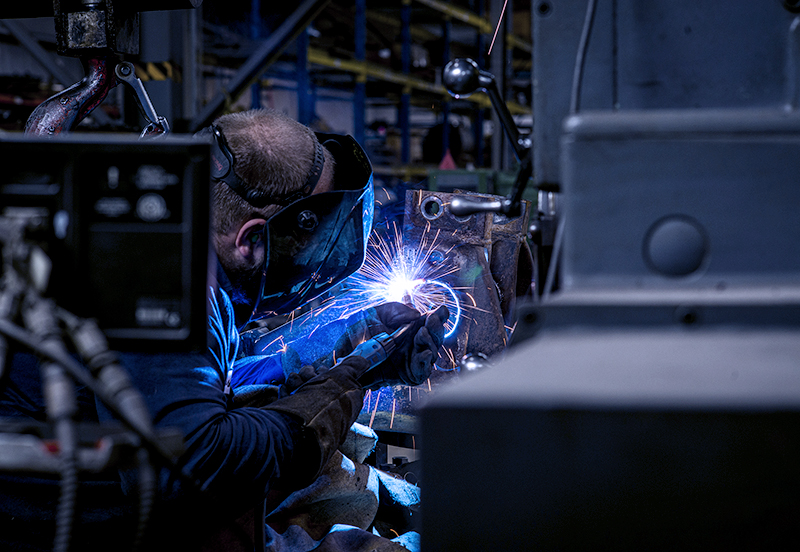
column 412, row 276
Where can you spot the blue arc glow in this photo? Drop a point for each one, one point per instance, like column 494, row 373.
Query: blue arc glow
column 414, row 276
column 454, row 316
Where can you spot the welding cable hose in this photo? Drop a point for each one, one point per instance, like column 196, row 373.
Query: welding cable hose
column 61, row 406
column 83, row 377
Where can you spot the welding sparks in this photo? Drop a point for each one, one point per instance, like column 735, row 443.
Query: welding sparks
column 414, row 276
column 372, row 418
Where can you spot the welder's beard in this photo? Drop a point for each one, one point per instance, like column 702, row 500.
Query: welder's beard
column 246, row 285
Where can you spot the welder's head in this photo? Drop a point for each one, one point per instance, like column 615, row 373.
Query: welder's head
column 292, row 210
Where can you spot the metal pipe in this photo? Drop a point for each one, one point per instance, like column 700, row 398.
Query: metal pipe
column 404, row 112
column 360, row 92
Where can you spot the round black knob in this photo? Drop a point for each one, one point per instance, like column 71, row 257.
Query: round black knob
column 461, row 77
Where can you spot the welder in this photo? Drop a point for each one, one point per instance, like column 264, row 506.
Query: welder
column 291, row 215
column 292, row 211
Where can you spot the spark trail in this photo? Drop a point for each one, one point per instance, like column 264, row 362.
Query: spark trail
column 395, row 272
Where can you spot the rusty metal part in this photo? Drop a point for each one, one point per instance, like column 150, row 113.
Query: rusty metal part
column 485, row 248
column 94, row 29
column 510, row 261
column 69, row 107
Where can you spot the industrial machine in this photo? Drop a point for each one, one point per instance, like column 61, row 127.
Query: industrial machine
column 653, row 400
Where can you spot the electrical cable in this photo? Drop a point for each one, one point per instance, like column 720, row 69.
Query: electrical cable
column 574, row 107
column 77, row 372
column 61, row 407
column 556, row 255
column 67, row 500
column 580, row 58
column 147, row 495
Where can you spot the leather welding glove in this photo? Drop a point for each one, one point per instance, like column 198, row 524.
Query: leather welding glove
column 414, row 356
column 328, row 404
column 412, row 361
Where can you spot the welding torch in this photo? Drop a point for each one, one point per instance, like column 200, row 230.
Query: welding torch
column 376, row 350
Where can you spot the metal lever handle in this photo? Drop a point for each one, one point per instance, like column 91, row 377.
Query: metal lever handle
column 465, row 206
column 126, row 75
column 463, row 77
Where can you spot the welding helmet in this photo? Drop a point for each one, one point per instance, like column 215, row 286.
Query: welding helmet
column 316, row 240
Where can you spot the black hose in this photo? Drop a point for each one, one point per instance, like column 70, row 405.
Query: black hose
column 65, row 514
column 81, row 375
column 147, row 493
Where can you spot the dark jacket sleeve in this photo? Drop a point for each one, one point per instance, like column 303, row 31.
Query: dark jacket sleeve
column 234, row 454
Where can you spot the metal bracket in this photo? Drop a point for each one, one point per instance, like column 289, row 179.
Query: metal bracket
column 157, row 126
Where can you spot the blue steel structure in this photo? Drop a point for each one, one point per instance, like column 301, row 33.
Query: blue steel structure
column 360, row 92
column 404, row 113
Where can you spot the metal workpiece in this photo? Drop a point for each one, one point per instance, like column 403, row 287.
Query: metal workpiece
column 484, row 251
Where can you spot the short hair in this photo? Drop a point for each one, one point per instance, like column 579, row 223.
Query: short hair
column 272, row 153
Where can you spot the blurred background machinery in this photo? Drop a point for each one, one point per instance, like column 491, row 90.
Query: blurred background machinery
column 370, row 70
column 653, row 401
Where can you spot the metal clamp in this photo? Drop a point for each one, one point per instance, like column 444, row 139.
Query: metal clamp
column 157, row 126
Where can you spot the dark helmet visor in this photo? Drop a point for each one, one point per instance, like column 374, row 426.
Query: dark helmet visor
column 318, row 241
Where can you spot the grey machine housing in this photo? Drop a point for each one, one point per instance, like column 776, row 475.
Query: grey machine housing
column 653, row 400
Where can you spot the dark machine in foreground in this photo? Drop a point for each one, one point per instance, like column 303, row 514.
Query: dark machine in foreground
column 81, row 231
column 653, row 401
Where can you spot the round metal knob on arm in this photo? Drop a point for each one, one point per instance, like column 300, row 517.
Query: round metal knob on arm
column 461, row 77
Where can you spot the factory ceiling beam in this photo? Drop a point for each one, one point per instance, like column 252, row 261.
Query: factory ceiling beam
column 29, row 43
column 266, row 54
column 481, row 23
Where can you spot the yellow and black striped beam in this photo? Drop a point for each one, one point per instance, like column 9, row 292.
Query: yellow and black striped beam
column 157, row 71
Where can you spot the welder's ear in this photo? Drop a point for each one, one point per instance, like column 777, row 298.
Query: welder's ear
column 249, row 237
